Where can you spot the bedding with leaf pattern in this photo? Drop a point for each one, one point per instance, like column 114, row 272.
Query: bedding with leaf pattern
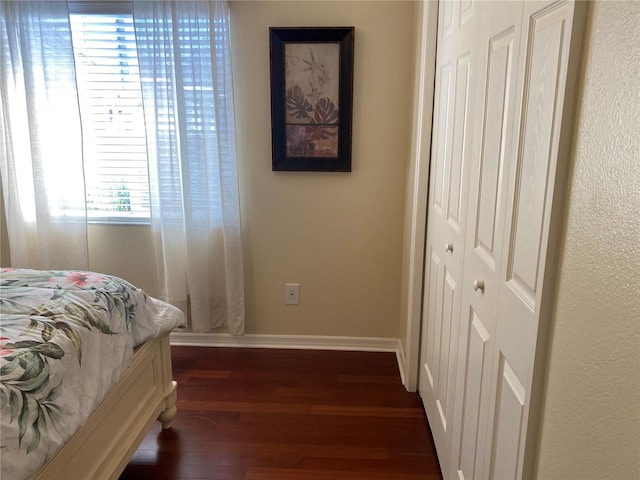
column 65, row 339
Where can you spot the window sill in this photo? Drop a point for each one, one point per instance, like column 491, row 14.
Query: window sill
column 119, row 221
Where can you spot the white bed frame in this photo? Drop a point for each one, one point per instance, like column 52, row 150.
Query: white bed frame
column 106, row 442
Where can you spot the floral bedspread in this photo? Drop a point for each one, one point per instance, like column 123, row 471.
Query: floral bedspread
column 65, row 339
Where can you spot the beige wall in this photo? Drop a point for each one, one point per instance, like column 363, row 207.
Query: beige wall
column 591, row 423
column 337, row 234
column 125, row 251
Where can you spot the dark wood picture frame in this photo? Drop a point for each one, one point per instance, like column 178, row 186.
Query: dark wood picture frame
column 311, row 98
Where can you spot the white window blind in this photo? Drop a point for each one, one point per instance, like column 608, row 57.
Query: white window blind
column 108, row 79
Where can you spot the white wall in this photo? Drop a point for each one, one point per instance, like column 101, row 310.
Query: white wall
column 591, row 422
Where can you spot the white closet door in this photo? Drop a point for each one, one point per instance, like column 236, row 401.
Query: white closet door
column 497, row 170
column 498, row 42
column 455, row 77
column 534, row 193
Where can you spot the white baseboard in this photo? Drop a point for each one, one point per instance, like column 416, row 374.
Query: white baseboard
column 306, row 342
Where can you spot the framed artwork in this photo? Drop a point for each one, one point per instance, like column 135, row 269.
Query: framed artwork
column 311, row 98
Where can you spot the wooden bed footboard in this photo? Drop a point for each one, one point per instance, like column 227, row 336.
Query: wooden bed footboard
column 106, row 442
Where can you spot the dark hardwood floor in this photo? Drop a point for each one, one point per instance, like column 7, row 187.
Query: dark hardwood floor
column 263, row 414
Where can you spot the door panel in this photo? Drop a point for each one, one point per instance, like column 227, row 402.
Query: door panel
column 509, row 417
column 447, row 321
column 447, row 216
column 531, row 188
column 534, row 160
column 466, row 12
column 441, row 139
column 433, row 307
column 445, row 18
column 458, row 143
column 494, row 136
column 475, row 355
column 498, row 41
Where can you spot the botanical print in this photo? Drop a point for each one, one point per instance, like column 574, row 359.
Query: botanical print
column 52, row 324
column 312, row 99
column 27, row 391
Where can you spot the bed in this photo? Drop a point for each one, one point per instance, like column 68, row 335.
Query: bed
column 85, row 370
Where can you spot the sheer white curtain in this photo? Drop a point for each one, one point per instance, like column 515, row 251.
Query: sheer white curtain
column 40, row 137
column 184, row 56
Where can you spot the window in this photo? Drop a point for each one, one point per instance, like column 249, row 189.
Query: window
column 114, row 140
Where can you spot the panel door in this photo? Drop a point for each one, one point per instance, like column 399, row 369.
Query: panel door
column 496, row 164
column 532, row 208
column 451, row 140
column 498, row 41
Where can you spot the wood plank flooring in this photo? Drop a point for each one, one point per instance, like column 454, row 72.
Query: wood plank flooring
column 264, row 414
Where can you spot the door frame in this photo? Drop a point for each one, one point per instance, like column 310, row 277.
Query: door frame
column 418, row 188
